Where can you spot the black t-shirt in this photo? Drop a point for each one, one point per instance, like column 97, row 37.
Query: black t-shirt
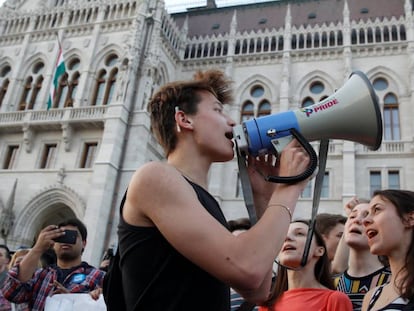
column 156, row 277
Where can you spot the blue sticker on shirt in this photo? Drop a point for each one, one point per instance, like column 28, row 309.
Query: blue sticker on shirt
column 78, row 278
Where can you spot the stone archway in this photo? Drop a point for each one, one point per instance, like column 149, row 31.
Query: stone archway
column 50, row 206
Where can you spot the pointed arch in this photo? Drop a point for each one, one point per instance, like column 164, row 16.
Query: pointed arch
column 49, row 206
column 99, row 58
column 392, row 76
column 269, row 86
column 325, row 78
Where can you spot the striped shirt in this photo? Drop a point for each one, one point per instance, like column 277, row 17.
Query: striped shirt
column 399, row 304
column 357, row 287
column 236, row 301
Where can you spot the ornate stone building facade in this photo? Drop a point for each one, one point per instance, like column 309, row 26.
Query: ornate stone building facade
column 75, row 158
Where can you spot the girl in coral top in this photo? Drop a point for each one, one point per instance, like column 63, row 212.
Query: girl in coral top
column 304, row 288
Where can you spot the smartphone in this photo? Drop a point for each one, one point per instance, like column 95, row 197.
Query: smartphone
column 68, row 238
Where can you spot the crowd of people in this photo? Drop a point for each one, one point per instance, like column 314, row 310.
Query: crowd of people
column 32, row 275
column 177, row 251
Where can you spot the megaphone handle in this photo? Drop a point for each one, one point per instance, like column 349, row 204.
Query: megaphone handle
column 308, row 172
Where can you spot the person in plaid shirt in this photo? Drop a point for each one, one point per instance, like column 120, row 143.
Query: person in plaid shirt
column 26, row 283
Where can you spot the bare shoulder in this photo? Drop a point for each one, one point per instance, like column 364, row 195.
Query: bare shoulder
column 153, row 174
column 153, row 186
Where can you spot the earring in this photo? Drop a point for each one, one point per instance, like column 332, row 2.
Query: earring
column 177, row 109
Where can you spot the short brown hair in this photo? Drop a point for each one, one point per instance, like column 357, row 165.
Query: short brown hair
column 325, row 222
column 185, row 95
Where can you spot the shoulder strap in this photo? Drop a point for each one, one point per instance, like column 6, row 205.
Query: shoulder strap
column 375, row 297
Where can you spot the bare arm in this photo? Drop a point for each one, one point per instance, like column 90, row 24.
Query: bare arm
column 158, row 195
column 30, row 262
column 340, row 262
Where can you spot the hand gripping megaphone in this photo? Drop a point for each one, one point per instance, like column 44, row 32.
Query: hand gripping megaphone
column 351, row 113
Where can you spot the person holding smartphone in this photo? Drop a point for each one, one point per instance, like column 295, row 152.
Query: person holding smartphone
column 26, row 283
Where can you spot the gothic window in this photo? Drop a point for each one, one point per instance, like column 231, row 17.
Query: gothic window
column 257, row 91
column 247, row 111
column 237, row 48
column 32, row 86
column 361, row 36
column 340, row 38
column 264, row 108
column 332, row 39
column 26, row 93
column 394, row 33
column 380, row 84
column 314, row 93
column 3, row 90
column 402, row 33
column 317, row 87
column 301, row 41
column 256, row 103
column 68, row 85
column 187, row 52
column 244, row 47
column 324, row 39
column 378, row 37
column 307, row 102
column 4, row 81
column 35, row 92
column 73, row 88
column 316, row 41
column 106, row 81
column 308, row 41
column 100, row 89
column 353, row 37
column 370, row 35
column 294, row 42
column 386, row 34
column 111, row 85
column 391, row 118
column 389, row 101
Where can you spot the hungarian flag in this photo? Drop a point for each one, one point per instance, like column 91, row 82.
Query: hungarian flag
column 60, row 70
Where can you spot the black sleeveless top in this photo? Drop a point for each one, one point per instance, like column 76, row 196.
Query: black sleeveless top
column 156, row 277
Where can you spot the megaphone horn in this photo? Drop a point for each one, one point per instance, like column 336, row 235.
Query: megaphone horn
column 352, row 113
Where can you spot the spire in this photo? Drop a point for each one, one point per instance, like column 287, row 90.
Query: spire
column 346, row 11
column 233, row 25
column 10, row 201
column 7, row 215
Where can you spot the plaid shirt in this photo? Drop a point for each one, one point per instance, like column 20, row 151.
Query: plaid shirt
column 83, row 279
